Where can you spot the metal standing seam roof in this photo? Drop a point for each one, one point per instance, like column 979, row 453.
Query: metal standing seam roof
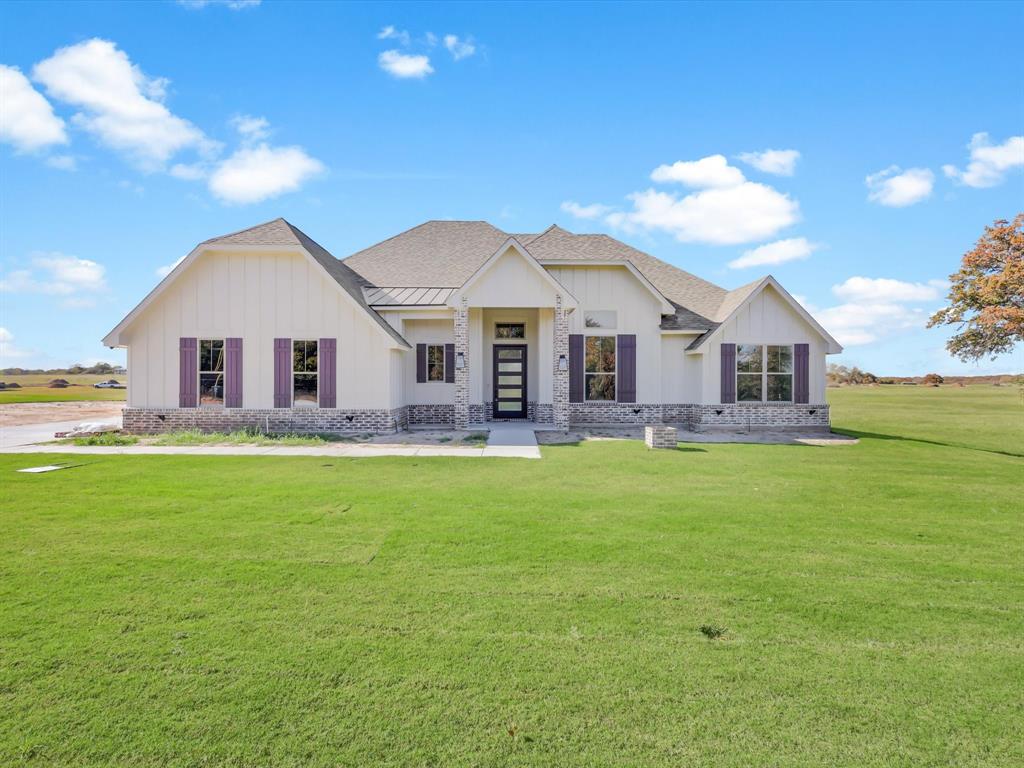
column 406, row 297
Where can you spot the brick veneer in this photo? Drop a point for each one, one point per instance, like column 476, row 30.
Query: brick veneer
column 461, row 412
column 275, row 420
column 431, row 414
column 560, row 415
column 661, row 437
column 694, row 416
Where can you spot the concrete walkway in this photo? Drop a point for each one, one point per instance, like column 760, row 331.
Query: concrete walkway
column 27, row 434
column 336, row 450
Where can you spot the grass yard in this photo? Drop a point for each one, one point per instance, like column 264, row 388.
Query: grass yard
column 221, row 611
column 34, row 388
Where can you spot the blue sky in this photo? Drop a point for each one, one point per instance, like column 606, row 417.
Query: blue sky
column 131, row 132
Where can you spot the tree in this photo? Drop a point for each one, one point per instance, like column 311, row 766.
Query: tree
column 932, row 379
column 986, row 296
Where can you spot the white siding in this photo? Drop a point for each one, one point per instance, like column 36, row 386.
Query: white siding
column 680, row 372
column 510, row 281
column 637, row 310
column 767, row 319
column 426, row 332
column 257, row 297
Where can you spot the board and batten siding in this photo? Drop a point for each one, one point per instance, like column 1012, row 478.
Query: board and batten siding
column 257, row 297
column 766, row 319
column 637, row 311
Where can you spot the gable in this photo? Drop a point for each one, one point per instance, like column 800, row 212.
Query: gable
column 768, row 315
column 511, row 278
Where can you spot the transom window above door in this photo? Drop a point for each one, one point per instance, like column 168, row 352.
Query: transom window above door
column 510, row 330
column 764, row 373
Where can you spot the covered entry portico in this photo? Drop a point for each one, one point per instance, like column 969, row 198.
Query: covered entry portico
column 511, row 342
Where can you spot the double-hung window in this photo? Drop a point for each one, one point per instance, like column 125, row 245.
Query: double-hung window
column 435, row 362
column 304, row 374
column 211, row 372
column 599, row 368
column 764, row 373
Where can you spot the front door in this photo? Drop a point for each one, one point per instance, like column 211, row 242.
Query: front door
column 509, row 381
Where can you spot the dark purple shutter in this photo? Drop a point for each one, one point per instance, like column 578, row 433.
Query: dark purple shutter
column 188, row 383
column 728, row 373
column 575, row 368
column 282, row 373
column 327, row 369
column 421, row 363
column 626, row 354
column 449, row 363
column 801, row 373
column 233, row 373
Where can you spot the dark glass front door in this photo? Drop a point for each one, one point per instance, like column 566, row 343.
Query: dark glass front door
column 509, row 381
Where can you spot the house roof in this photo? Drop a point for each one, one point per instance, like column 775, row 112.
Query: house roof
column 272, row 234
column 448, row 253
column 399, row 296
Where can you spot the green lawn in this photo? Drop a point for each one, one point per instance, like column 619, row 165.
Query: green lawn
column 33, row 388
column 219, row 611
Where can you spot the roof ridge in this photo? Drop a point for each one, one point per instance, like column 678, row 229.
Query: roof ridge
column 247, row 229
column 420, row 225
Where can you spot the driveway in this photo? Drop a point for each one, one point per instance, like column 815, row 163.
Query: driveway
column 29, row 423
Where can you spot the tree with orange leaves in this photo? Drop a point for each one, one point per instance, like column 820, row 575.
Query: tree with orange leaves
column 986, row 296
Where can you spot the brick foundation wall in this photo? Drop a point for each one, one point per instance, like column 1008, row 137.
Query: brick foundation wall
column 695, row 417
column 431, row 414
column 141, row 421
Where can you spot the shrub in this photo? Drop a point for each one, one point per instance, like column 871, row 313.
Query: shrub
column 932, row 380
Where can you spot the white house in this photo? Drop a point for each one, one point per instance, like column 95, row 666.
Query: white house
column 457, row 322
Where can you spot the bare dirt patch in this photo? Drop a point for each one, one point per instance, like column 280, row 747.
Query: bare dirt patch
column 19, row 414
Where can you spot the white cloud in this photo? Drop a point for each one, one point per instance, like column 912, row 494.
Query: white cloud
column 165, row 270
column 189, row 171
column 8, row 350
column 781, row 162
column 854, row 324
column 390, row 33
column 459, row 49
column 253, row 174
column 251, row 128
column 712, row 171
column 234, row 5
column 56, row 274
column 62, row 162
column 779, row 252
column 592, row 211
column 989, row 163
column 27, row 121
column 882, row 289
column 726, row 216
column 897, row 188
column 403, row 65
column 121, row 106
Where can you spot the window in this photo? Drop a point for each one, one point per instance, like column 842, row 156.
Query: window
column 211, row 372
column 509, row 331
column 764, row 373
column 599, row 318
column 599, row 368
column 304, row 374
column 435, row 362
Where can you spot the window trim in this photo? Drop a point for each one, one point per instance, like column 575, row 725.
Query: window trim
column 199, row 373
column 444, row 372
column 614, row 374
column 764, row 372
column 306, row 373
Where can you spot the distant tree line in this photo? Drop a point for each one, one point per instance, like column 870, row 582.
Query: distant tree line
column 99, row 368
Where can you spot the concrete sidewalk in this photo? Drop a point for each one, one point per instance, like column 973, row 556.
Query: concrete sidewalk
column 336, row 450
column 27, row 434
